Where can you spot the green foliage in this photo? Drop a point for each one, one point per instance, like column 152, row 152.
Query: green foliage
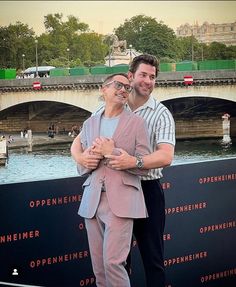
column 90, row 47
column 75, row 63
column 60, row 62
column 70, row 43
column 70, row 40
column 93, row 63
column 148, row 36
column 15, row 40
column 64, row 44
column 217, row 51
column 166, row 60
column 231, row 52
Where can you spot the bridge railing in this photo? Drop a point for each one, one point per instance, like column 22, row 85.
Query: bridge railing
column 95, row 81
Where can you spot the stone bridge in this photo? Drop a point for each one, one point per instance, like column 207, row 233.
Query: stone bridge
column 212, row 94
column 89, row 99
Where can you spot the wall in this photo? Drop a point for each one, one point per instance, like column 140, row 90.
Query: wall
column 185, row 129
column 44, row 240
column 205, row 128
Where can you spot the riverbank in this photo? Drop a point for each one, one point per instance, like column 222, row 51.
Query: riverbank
column 39, row 139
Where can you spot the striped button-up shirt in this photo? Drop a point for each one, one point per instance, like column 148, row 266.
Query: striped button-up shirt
column 161, row 128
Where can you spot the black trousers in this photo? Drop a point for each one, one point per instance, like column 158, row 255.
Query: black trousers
column 149, row 234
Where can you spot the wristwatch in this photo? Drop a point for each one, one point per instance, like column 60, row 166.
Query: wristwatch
column 139, row 161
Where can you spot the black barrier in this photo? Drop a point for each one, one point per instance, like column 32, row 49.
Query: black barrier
column 43, row 241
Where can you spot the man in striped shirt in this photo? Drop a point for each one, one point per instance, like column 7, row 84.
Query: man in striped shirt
column 149, row 231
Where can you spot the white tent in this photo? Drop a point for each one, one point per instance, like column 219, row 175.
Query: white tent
column 41, row 69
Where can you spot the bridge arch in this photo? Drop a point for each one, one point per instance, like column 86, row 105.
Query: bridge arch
column 87, row 100
column 225, row 92
column 194, row 102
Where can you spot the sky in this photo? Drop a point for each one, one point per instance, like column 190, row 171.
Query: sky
column 103, row 16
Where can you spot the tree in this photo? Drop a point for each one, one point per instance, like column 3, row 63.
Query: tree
column 157, row 39
column 53, row 24
column 217, row 51
column 64, row 44
column 70, row 39
column 187, row 49
column 60, row 62
column 15, row 40
column 90, row 47
column 231, row 52
column 201, row 51
column 148, row 36
column 59, row 37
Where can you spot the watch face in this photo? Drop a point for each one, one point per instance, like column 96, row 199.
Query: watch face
column 139, row 163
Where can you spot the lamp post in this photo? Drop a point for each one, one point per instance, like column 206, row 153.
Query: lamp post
column 36, row 57
column 192, row 48
column 109, row 56
column 110, row 49
column 130, row 52
column 68, row 54
column 23, row 62
column 3, row 42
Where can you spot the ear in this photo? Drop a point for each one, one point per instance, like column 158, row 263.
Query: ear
column 130, row 76
column 101, row 89
column 101, row 92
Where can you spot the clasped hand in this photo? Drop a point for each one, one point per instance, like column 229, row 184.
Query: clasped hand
column 103, row 146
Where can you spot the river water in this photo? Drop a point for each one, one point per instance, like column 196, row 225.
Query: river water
column 50, row 162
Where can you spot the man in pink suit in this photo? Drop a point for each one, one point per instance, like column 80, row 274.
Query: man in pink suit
column 148, row 231
column 112, row 198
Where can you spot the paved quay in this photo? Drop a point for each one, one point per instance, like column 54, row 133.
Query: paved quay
column 37, row 140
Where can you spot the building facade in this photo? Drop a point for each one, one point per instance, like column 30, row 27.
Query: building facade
column 208, row 33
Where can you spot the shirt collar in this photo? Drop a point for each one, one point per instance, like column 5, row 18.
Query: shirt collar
column 150, row 103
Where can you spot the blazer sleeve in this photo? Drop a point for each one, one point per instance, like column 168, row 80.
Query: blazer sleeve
column 82, row 171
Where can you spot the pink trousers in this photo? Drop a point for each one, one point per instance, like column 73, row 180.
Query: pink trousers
column 109, row 240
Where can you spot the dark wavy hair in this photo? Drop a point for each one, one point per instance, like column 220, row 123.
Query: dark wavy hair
column 144, row 59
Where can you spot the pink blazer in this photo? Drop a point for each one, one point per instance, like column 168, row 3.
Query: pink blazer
column 123, row 188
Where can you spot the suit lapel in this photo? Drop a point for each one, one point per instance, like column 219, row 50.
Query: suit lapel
column 124, row 118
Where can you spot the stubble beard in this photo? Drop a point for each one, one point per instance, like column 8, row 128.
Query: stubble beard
column 142, row 94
